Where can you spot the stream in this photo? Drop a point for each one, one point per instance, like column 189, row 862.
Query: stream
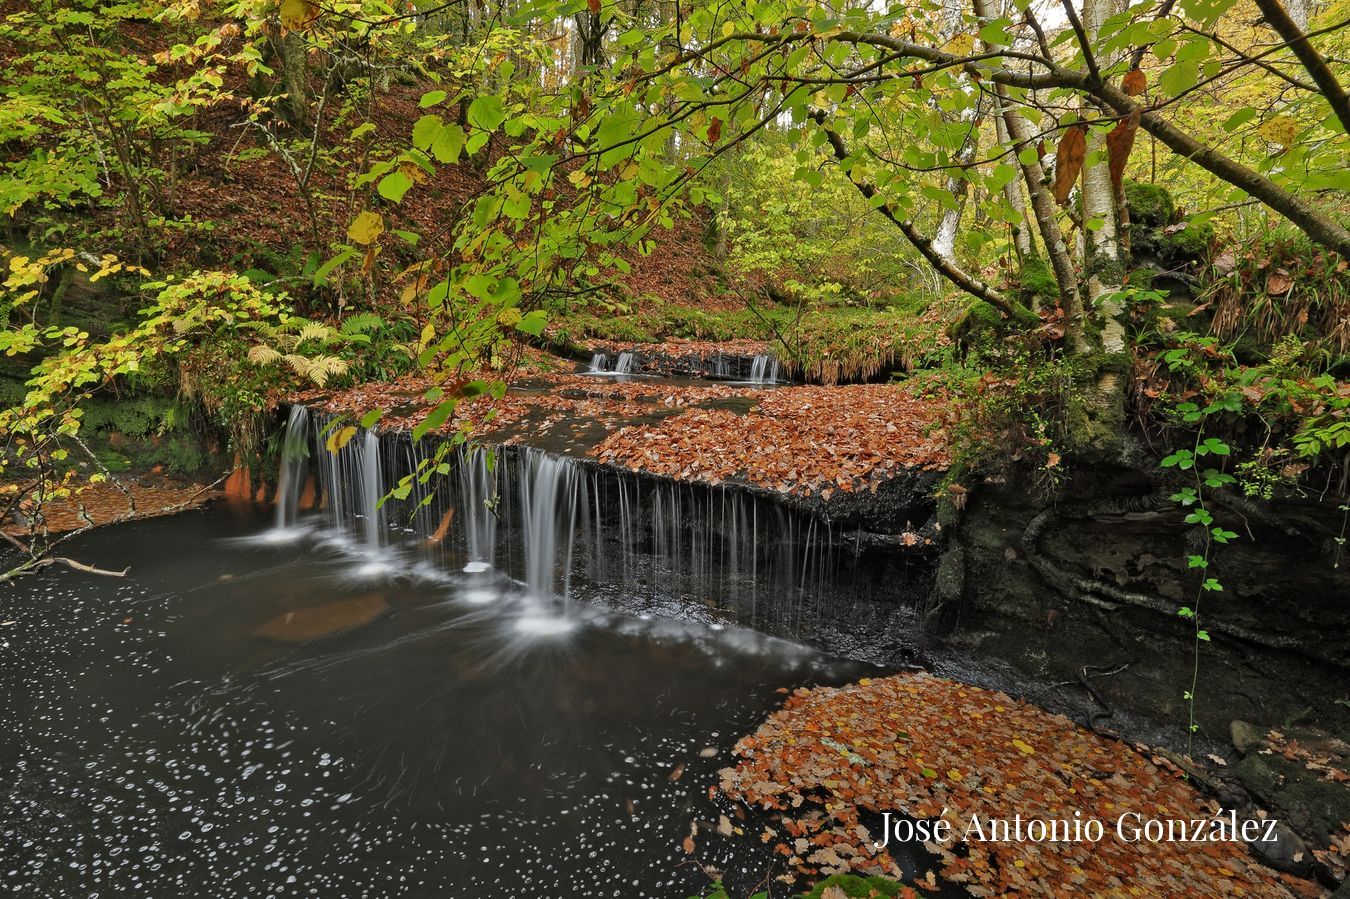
column 161, row 744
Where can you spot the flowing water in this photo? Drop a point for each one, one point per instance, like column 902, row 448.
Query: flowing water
column 519, row 680
column 764, row 370
column 158, row 745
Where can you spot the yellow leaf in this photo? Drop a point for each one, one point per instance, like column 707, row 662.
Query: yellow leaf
column 338, row 439
column 1023, row 748
column 961, row 45
column 297, row 15
column 366, row 228
column 1280, row 129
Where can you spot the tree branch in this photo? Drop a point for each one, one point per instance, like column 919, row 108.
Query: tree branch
column 1278, row 18
column 944, row 266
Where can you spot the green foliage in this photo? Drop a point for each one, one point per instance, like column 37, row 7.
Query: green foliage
column 811, row 235
column 850, row 885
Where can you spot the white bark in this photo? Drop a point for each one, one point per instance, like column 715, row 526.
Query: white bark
column 1012, row 192
column 1102, row 256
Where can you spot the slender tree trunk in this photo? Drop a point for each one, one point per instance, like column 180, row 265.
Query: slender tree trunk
column 295, row 76
column 1042, row 204
column 590, row 40
column 944, row 240
column 1014, row 194
column 1102, row 258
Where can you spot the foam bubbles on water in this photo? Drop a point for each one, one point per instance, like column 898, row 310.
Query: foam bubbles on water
column 480, row 596
column 544, row 626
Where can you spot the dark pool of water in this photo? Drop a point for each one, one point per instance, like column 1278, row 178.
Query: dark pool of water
column 154, row 745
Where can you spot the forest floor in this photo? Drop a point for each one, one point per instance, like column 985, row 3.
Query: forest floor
column 828, row 764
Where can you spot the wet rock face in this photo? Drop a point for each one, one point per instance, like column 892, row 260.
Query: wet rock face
column 313, row 622
column 1280, row 585
column 1301, row 774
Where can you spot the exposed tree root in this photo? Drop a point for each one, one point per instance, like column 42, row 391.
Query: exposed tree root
column 1102, row 595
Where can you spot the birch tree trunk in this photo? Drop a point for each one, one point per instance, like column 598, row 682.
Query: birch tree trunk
column 944, row 241
column 1014, row 194
column 1102, row 262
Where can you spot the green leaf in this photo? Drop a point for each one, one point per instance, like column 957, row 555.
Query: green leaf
column 533, row 322
column 486, row 112
column 394, row 185
column 424, row 131
column 1178, row 77
column 435, row 418
column 447, row 143
column 432, row 98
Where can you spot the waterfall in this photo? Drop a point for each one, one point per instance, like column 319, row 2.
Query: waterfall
column 558, row 528
column 550, row 501
column 372, row 490
column 764, row 369
column 599, row 363
column 720, row 367
column 624, row 365
column 478, row 488
column 294, row 463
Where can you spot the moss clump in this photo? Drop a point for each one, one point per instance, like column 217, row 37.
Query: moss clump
column 1156, row 230
column 1187, row 244
column 1036, row 282
column 984, row 322
column 1150, row 205
column 1094, row 417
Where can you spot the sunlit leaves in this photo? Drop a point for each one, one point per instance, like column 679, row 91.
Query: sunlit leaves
column 366, row 228
column 394, row 185
column 486, row 112
column 444, row 141
column 298, row 15
column 1280, row 129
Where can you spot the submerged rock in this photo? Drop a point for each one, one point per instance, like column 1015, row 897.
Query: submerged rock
column 313, row 622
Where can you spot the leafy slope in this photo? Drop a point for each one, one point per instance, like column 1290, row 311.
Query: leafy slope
column 932, row 748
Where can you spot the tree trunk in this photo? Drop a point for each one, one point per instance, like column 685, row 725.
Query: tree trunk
column 590, row 40
column 944, row 241
column 1016, row 197
column 1102, row 258
column 1042, row 204
column 295, row 77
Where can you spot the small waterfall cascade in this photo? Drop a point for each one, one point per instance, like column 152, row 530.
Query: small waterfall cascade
column 599, row 363
column 551, row 497
column 624, row 364
column 564, row 528
column 721, row 366
column 294, row 465
column 477, row 472
column 764, row 369
column 372, row 490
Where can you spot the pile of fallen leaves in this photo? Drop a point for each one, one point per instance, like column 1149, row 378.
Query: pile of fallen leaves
column 802, row 441
column 797, row 440
column 930, row 748
column 106, row 503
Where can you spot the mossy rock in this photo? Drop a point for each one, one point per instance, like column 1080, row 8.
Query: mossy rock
column 1150, row 205
column 984, row 321
column 1311, row 804
column 1036, row 281
column 1188, row 244
column 855, row 887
